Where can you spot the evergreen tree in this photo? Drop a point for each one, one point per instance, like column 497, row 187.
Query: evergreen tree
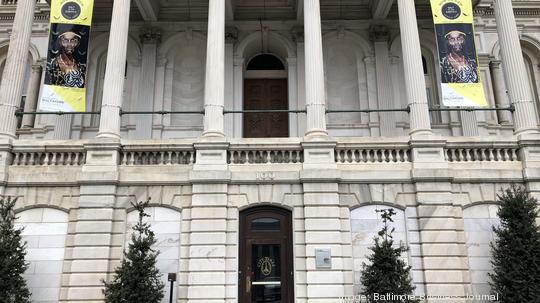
column 137, row 280
column 387, row 275
column 516, row 248
column 13, row 287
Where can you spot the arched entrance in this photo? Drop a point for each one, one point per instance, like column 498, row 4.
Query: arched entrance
column 265, row 266
column 265, row 88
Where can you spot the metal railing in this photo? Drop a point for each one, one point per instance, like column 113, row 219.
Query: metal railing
column 269, row 111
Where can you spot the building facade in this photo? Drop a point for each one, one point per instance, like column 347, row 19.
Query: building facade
column 267, row 134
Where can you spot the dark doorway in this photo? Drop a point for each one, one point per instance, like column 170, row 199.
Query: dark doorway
column 265, row 267
column 266, row 89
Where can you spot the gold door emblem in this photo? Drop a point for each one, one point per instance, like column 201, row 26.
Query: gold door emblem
column 266, row 264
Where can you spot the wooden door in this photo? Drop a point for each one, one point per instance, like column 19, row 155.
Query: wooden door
column 265, row 272
column 261, row 94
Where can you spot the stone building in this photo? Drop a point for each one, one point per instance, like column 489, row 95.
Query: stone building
column 277, row 205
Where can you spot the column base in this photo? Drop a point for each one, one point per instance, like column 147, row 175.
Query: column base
column 108, row 135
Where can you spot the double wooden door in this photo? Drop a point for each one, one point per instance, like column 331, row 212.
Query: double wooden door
column 266, row 94
column 265, row 265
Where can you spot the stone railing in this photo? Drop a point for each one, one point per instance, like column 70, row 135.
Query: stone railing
column 478, row 151
column 157, row 154
column 254, row 151
column 262, row 151
column 48, row 155
column 371, row 150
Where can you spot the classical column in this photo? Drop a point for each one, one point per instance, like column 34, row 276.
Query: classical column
column 238, row 95
column 109, row 122
column 150, row 38
column 415, row 83
column 371, row 76
column 214, row 90
column 292, row 69
column 231, row 37
column 514, row 68
column 499, row 90
column 316, row 110
column 32, row 96
column 469, row 123
column 298, row 38
column 14, row 70
column 379, row 35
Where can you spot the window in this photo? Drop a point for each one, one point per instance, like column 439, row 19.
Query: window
column 45, row 231
column 166, row 224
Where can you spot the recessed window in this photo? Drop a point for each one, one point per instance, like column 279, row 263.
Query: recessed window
column 265, row 62
column 262, row 224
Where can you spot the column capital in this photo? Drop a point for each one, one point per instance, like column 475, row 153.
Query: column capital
column 292, row 60
column 150, row 36
column 297, row 33
column 239, row 61
column 495, row 64
column 379, row 33
column 231, row 34
column 37, row 68
column 369, row 60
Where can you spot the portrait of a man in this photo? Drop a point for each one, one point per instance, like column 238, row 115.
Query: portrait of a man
column 66, row 64
column 457, row 66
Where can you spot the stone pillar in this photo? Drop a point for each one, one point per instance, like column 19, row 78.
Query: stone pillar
column 32, row 96
column 231, row 36
column 97, row 225
column 440, row 224
column 14, row 70
column 371, row 76
column 109, row 122
column 238, row 95
column 324, row 230
column 379, row 36
column 469, row 124
column 298, row 38
column 499, row 90
column 292, row 69
column 315, row 93
column 514, row 68
column 208, row 274
column 150, row 39
column 214, row 90
column 62, row 127
column 415, row 82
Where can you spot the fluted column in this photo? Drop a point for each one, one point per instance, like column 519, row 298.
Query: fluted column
column 109, row 122
column 380, row 36
column 32, row 96
column 514, row 68
column 14, row 70
column 214, row 90
column 316, row 111
column 415, row 83
column 499, row 90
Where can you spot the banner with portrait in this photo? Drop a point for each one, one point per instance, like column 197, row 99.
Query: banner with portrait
column 458, row 61
column 65, row 75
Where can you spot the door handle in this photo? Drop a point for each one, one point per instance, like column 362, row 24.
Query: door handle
column 248, row 284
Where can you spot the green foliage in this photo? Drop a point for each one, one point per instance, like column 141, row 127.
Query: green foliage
column 387, row 274
column 13, row 287
column 137, row 280
column 516, row 257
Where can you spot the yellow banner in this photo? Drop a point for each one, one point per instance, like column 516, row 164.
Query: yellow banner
column 460, row 74
column 65, row 75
